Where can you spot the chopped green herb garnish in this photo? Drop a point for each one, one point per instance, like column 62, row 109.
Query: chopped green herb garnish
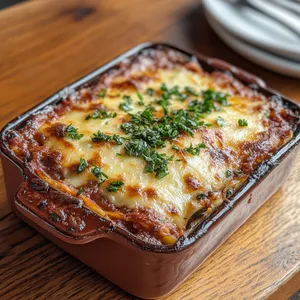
column 72, row 133
column 114, row 186
column 164, row 103
column 55, row 217
column 136, row 147
column 213, row 95
column 163, row 87
column 150, row 91
column 179, row 159
column 243, row 122
column 80, row 191
column 167, row 95
column 238, row 172
column 201, row 196
column 144, row 117
column 229, row 192
column 148, row 132
column 141, row 99
column 175, row 147
column 156, row 163
column 207, row 105
column 102, row 93
column 221, row 122
column 195, row 150
column 100, row 137
column 101, row 114
column 119, row 154
column 182, row 97
column 228, row 173
column 82, row 165
column 191, row 91
column 126, row 105
column 155, row 131
column 118, row 140
column 97, row 172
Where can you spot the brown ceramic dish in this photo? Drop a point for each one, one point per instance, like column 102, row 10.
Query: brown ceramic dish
column 138, row 267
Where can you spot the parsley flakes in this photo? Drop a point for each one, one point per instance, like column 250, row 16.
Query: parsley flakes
column 114, row 186
column 207, row 105
column 221, row 122
column 136, row 147
column 191, row 149
column 82, row 165
column 191, row 91
column 146, row 132
column 150, row 91
column 126, row 105
column 97, row 172
column 118, row 140
column 228, row 173
column 102, row 137
column 55, row 217
column 156, row 163
column 80, row 191
column 102, row 93
column 212, row 95
column 243, row 122
column 72, row 133
column 101, row 114
column 167, row 95
column 141, row 99
column 195, row 150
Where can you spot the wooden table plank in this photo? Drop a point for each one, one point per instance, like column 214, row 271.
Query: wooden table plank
column 46, row 44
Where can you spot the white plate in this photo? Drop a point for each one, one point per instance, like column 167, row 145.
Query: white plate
column 267, row 60
column 254, row 28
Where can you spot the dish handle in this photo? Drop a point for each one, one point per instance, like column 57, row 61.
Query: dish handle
column 28, row 213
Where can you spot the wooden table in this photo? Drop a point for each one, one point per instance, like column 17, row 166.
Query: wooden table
column 46, row 44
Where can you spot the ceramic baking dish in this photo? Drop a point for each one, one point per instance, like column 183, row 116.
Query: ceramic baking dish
column 146, row 270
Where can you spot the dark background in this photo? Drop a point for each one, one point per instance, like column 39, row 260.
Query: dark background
column 7, row 3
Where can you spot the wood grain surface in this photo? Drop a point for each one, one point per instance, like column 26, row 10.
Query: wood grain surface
column 47, row 44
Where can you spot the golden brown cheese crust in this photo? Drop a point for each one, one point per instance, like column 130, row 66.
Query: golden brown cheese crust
column 157, row 210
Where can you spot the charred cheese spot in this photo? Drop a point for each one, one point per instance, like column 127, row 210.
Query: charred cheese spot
column 192, row 183
column 133, row 190
column 150, row 192
column 40, row 138
column 173, row 210
column 57, row 130
column 96, row 160
column 194, row 67
column 125, row 86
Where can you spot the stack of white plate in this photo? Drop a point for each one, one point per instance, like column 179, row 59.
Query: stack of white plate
column 256, row 35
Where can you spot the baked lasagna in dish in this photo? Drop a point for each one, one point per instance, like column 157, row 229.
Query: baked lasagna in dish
column 150, row 145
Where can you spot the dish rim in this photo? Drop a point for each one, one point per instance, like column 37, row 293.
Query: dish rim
column 198, row 230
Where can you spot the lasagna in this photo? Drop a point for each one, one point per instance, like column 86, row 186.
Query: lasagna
column 151, row 144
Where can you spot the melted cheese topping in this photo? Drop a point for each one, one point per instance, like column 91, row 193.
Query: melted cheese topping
column 175, row 195
column 155, row 209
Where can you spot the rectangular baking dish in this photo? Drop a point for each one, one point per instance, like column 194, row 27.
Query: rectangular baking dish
column 142, row 269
